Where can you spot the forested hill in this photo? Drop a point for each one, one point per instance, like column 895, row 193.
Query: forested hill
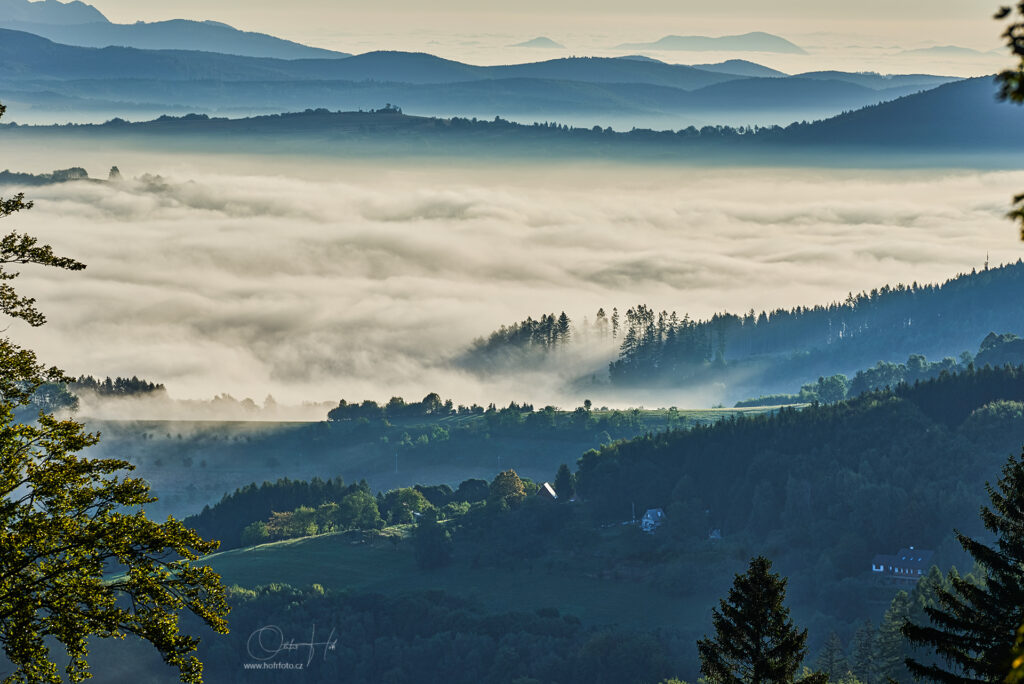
column 966, row 113
column 888, row 323
column 774, row 350
column 955, row 123
column 897, row 467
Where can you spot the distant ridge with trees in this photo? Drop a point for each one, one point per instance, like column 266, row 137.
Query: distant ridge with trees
column 954, row 123
column 867, row 332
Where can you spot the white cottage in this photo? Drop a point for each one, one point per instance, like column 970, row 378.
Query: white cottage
column 652, row 520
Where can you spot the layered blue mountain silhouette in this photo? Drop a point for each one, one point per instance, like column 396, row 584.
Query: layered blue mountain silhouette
column 76, row 23
column 961, row 121
column 741, row 67
column 50, row 12
column 947, row 51
column 962, row 115
column 539, row 42
column 756, row 41
column 41, row 74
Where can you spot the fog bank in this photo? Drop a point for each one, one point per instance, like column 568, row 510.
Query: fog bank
column 362, row 280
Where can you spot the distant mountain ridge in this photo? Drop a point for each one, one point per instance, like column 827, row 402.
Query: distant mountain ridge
column 879, row 81
column 76, row 23
column 50, row 12
column 523, row 99
column 756, row 41
column 960, row 118
column 540, row 42
column 964, row 114
column 37, row 74
column 954, row 50
column 25, row 56
column 741, row 67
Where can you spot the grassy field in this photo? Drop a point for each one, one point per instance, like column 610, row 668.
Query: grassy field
column 335, row 563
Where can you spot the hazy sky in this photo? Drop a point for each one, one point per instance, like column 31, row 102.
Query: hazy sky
column 455, row 27
column 906, row 18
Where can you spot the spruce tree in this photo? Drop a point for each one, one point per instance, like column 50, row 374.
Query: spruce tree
column 974, row 625
column 1011, row 80
column 889, row 644
column 862, row 662
column 755, row 642
column 563, row 329
column 831, row 661
column 565, row 485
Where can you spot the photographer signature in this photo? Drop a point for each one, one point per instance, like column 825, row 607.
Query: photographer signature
column 267, row 642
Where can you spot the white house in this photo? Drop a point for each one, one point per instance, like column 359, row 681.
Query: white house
column 908, row 564
column 652, row 520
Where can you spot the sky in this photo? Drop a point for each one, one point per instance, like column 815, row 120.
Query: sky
column 871, row 32
column 964, row 20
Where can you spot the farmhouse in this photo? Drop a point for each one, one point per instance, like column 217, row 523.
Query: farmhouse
column 652, row 520
column 908, row 564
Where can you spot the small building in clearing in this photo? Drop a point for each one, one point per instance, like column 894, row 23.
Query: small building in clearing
column 652, row 520
column 908, row 564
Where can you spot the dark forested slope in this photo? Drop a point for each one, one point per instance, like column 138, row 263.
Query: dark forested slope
column 946, row 116
column 877, row 471
column 778, row 350
column 888, row 323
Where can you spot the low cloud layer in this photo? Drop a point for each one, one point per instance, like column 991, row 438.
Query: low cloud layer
column 360, row 281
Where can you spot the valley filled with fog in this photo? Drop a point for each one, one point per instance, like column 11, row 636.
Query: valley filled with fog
column 315, row 279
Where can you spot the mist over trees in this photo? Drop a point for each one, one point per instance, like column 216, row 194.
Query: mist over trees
column 119, row 387
column 933, row 320
column 867, row 335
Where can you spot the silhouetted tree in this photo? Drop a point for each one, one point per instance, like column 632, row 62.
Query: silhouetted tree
column 862, row 661
column 755, row 641
column 831, row 661
column 431, row 542
column 1011, row 81
column 973, row 626
column 889, row 645
column 564, row 485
